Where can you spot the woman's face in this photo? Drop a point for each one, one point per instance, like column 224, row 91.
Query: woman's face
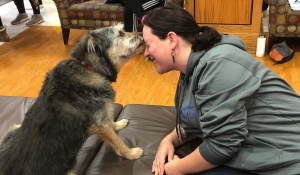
column 158, row 51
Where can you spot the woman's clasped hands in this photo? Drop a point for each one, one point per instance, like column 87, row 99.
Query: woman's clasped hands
column 166, row 152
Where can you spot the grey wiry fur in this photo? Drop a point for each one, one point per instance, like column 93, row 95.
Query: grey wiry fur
column 74, row 102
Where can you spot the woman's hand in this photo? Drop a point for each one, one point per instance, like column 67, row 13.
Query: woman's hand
column 165, row 149
column 171, row 168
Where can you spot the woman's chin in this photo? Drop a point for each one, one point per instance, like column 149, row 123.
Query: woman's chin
column 160, row 71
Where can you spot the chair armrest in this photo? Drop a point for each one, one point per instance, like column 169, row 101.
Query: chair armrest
column 63, row 4
column 273, row 2
column 179, row 3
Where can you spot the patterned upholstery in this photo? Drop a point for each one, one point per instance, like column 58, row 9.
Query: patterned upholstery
column 283, row 21
column 179, row 3
column 91, row 14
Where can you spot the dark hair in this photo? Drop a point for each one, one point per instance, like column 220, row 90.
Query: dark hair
column 162, row 20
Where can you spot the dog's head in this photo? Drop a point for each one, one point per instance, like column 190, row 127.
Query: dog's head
column 108, row 48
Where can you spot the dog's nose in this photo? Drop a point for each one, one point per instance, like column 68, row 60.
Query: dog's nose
column 140, row 33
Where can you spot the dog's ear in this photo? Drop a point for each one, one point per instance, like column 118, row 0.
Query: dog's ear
column 90, row 43
column 98, row 50
column 79, row 50
column 97, row 44
column 120, row 26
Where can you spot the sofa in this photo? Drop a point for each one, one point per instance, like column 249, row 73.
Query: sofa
column 148, row 125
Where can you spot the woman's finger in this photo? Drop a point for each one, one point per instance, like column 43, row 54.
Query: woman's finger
column 170, row 156
column 176, row 157
column 157, row 166
column 153, row 166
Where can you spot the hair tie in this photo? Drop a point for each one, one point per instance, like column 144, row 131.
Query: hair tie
column 143, row 19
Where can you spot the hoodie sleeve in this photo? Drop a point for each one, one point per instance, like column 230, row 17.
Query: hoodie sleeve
column 222, row 88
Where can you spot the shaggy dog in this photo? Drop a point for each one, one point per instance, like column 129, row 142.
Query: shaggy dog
column 75, row 101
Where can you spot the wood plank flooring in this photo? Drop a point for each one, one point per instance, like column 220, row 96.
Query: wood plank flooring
column 25, row 60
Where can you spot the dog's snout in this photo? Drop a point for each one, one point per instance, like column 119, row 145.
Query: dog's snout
column 140, row 34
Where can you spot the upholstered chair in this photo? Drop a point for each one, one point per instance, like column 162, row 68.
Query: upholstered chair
column 283, row 21
column 91, row 14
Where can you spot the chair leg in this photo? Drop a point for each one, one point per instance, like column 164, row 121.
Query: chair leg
column 272, row 41
column 65, row 33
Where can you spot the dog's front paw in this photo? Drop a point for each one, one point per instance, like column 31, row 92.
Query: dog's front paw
column 121, row 124
column 135, row 153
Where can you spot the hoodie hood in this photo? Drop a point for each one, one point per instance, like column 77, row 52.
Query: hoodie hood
column 226, row 39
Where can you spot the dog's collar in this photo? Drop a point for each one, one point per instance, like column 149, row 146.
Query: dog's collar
column 89, row 67
column 92, row 69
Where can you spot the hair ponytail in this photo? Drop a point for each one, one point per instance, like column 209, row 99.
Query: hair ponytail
column 205, row 38
column 166, row 19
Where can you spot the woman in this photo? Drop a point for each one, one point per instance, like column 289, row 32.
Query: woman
column 247, row 117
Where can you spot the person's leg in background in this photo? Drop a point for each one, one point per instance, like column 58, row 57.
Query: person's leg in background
column 265, row 6
column 36, row 17
column 135, row 10
column 41, row 4
column 128, row 14
column 264, row 9
column 1, row 25
column 130, row 21
column 22, row 16
column 3, row 35
column 30, row 8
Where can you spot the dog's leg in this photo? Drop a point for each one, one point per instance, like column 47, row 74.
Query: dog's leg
column 119, row 124
column 110, row 137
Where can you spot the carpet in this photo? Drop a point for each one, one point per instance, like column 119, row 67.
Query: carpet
column 2, row 2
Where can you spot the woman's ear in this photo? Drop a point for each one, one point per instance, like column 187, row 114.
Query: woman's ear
column 172, row 37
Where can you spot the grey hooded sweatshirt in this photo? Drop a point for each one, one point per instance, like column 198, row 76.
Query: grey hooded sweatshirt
column 247, row 116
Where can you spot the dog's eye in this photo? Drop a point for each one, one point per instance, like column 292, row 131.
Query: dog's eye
column 121, row 33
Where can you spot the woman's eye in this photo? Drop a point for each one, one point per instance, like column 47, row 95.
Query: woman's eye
column 121, row 33
column 147, row 46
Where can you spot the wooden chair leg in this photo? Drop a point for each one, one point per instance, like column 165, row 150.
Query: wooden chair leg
column 65, row 33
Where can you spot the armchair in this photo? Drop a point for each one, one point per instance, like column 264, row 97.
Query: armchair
column 283, row 21
column 92, row 14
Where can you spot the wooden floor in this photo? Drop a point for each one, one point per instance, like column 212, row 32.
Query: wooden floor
column 25, row 60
